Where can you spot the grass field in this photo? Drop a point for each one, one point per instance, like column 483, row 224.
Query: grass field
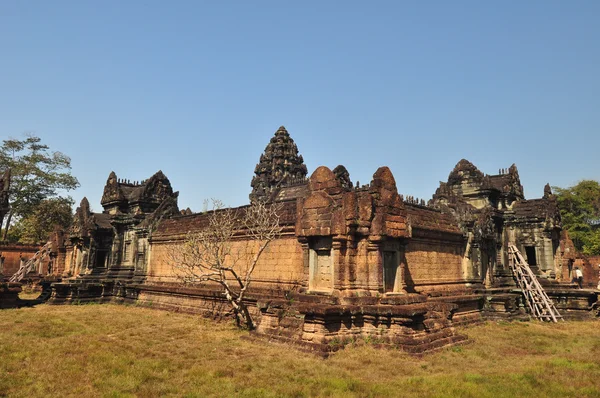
column 120, row 351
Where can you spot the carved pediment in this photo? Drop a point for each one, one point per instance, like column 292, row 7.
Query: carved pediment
column 83, row 222
column 112, row 191
column 157, row 188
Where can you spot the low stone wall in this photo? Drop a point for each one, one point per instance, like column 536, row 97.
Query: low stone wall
column 13, row 253
column 573, row 303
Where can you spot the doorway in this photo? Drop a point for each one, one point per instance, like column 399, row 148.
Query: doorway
column 390, row 271
column 530, row 253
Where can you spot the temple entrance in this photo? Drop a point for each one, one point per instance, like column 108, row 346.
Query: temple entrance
column 570, row 268
column 487, row 266
column 530, row 253
column 390, row 270
column 100, row 259
column 321, row 266
column 321, row 278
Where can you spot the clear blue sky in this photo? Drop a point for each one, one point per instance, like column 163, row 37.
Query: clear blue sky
column 197, row 88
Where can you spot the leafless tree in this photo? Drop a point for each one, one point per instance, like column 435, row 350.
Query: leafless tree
column 227, row 250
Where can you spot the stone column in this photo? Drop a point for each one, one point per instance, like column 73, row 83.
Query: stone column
column 375, row 266
column 339, row 266
column 305, row 262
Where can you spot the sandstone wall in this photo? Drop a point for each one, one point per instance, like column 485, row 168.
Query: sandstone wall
column 593, row 276
column 590, row 268
column 430, row 264
column 13, row 253
column 282, row 261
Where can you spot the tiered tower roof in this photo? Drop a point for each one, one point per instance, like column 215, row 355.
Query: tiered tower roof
column 279, row 166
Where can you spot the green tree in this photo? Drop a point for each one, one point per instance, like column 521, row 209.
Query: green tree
column 48, row 214
column 580, row 211
column 37, row 174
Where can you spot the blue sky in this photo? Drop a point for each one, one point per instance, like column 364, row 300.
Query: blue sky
column 197, row 88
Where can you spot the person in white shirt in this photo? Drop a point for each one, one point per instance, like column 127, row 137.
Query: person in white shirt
column 579, row 277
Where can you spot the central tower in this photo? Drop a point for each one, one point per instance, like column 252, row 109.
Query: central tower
column 279, row 166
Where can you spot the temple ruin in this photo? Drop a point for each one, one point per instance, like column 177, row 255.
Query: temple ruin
column 353, row 261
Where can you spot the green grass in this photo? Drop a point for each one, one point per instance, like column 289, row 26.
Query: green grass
column 119, row 351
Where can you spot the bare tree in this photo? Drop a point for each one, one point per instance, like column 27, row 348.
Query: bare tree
column 227, row 250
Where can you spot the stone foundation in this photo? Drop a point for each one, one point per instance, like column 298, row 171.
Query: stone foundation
column 574, row 304
column 9, row 294
column 315, row 323
column 410, row 323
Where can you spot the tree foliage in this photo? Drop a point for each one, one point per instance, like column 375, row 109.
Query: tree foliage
column 580, row 211
column 37, row 174
column 47, row 215
column 215, row 255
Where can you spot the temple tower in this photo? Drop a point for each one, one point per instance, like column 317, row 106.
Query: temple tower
column 279, row 166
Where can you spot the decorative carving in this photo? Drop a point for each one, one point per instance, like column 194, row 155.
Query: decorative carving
column 512, row 184
column 464, row 170
column 342, row 175
column 547, row 191
column 112, row 191
column 166, row 209
column 484, row 227
column 82, row 222
column 157, row 188
column 124, row 196
column 330, row 210
column 280, row 165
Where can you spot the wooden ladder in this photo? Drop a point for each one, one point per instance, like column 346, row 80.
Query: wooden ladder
column 540, row 305
column 32, row 264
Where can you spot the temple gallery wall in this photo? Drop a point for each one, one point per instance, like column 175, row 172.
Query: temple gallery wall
column 352, row 261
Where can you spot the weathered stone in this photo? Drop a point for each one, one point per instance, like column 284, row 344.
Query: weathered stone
column 279, row 166
column 352, row 262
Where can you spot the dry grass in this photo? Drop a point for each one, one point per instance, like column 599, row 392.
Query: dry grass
column 119, row 351
column 29, row 294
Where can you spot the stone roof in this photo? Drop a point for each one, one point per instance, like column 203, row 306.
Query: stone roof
column 508, row 182
column 431, row 219
column 85, row 222
column 182, row 224
column 543, row 210
column 464, row 170
column 498, row 182
column 102, row 220
column 533, row 208
column 153, row 190
column 132, row 193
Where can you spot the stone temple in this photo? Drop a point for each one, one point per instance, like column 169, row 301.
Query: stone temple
column 353, row 261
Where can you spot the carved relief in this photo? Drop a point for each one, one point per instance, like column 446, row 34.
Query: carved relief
column 280, row 165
